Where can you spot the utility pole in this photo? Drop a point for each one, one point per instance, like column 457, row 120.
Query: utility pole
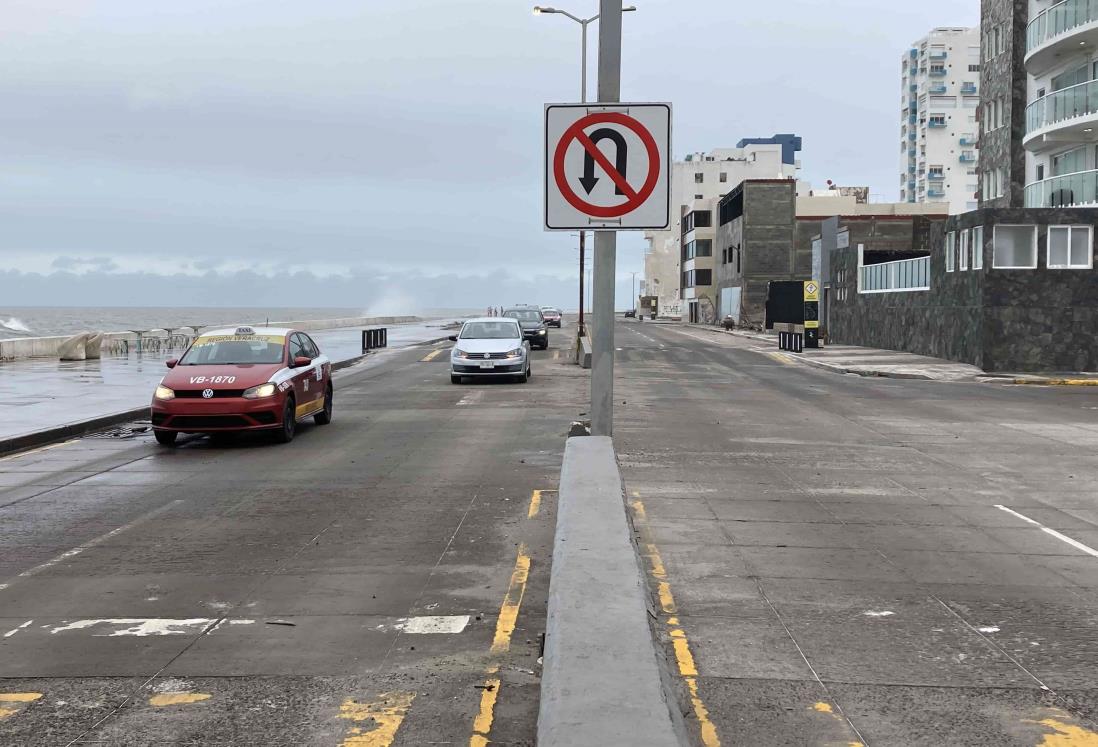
column 634, row 301
column 606, row 242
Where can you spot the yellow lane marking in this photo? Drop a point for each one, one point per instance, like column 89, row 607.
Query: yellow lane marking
column 430, row 356
column 680, row 643
column 825, row 707
column 1065, row 734
column 12, row 703
column 505, row 628
column 780, row 358
column 169, row 699
column 535, row 504
column 39, row 450
column 482, row 725
column 512, row 601
column 1058, row 382
column 387, row 714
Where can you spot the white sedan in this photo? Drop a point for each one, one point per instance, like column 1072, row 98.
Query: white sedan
column 490, row 347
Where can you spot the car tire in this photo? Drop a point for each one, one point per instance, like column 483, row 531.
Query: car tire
column 455, row 379
column 286, row 433
column 165, row 438
column 325, row 416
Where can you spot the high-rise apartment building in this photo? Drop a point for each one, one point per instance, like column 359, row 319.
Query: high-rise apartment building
column 938, row 133
column 1057, row 45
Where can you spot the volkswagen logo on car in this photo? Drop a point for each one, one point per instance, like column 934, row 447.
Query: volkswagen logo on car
column 207, row 393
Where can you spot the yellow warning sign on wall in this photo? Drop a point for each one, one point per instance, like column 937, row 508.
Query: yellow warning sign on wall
column 811, row 290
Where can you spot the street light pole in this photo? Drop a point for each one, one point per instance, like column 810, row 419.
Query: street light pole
column 584, row 23
column 634, row 301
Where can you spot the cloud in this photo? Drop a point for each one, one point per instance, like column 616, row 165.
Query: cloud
column 89, row 264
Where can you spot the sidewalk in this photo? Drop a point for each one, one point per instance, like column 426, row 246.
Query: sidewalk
column 41, row 394
column 868, row 361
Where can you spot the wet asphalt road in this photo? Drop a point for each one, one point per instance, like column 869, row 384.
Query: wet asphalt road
column 381, row 580
column 830, row 557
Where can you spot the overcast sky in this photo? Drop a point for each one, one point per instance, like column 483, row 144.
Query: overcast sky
column 395, row 138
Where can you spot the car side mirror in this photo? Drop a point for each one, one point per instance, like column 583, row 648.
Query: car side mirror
column 452, row 338
column 171, row 363
column 301, row 360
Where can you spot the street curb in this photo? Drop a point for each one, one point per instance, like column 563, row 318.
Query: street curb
column 84, row 427
column 1053, row 382
column 603, row 678
column 867, row 373
column 70, row 430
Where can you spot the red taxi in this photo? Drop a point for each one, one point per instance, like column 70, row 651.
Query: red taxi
column 244, row 379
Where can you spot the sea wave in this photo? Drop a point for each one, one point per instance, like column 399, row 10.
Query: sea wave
column 14, row 325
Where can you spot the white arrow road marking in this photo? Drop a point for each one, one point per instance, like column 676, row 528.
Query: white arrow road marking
column 429, row 624
column 145, row 626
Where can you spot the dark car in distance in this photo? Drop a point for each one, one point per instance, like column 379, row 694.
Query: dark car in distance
column 534, row 329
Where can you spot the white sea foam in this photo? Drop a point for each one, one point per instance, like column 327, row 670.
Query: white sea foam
column 14, row 324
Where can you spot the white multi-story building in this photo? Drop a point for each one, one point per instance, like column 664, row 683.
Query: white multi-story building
column 1061, row 122
column 703, row 178
column 938, row 131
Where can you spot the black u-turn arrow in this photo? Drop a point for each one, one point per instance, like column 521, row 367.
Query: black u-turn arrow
column 621, row 158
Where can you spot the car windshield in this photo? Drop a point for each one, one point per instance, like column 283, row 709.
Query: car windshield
column 219, row 350
column 490, row 331
column 523, row 315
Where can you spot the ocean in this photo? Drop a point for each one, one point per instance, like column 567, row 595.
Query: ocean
column 45, row 321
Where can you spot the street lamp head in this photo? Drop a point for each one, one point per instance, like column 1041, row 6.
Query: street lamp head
column 628, row 8
column 538, row 10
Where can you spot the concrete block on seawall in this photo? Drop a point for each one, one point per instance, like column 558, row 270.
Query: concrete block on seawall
column 74, row 348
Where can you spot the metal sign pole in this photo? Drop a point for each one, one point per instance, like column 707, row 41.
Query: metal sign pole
column 606, row 242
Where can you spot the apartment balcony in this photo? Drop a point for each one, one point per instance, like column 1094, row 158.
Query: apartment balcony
column 912, row 136
column 912, row 119
column 932, row 192
column 1070, row 190
column 1059, row 32
column 936, row 176
column 967, row 157
column 939, row 55
column 968, row 139
column 936, row 125
column 1067, row 116
column 914, row 54
column 911, row 152
column 938, row 72
column 968, row 89
column 937, row 89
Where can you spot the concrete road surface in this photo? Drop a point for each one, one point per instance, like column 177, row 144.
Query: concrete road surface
column 842, row 561
column 381, row 580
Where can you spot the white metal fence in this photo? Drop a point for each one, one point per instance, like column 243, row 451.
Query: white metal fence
column 902, row 275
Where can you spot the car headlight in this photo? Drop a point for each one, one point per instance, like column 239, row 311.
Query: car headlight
column 163, row 392
column 516, row 353
column 259, row 392
column 541, row 331
column 457, row 353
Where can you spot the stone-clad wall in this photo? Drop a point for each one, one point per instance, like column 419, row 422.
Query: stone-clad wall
column 1004, row 77
column 1000, row 320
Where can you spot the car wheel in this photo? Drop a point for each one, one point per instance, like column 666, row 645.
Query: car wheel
column 165, row 438
column 325, row 416
column 285, row 434
column 455, row 379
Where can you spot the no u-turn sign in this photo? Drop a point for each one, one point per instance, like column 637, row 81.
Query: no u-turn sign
column 607, row 166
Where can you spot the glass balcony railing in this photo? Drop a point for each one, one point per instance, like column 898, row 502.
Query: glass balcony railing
column 935, row 193
column 900, row 275
column 1061, row 105
column 1059, row 19
column 967, row 157
column 936, row 176
column 938, row 72
column 968, row 139
column 1069, row 190
column 968, row 89
column 936, row 90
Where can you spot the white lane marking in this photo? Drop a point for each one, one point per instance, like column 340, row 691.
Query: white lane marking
column 875, row 613
column 144, row 626
column 16, row 629
column 471, row 398
column 988, row 628
column 429, row 624
column 1051, row 532
column 88, row 545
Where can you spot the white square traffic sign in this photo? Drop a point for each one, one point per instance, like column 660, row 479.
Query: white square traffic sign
column 607, row 166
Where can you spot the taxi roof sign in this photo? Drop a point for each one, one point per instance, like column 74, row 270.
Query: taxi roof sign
column 245, row 331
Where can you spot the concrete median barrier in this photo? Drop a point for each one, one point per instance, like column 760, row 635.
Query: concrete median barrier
column 603, row 680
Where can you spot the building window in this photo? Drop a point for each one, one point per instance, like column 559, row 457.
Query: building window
column 974, row 68
column 724, row 177
column 1070, row 247
column 698, row 248
column 699, row 178
column 703, row 277
column 978, row 248
column 962, row 255
column 951, row 250
column 1014, row 248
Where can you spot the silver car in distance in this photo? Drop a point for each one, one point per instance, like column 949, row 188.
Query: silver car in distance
column 490, row 347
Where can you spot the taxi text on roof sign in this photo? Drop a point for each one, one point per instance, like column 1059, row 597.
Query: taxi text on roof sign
column 607, row 166
column 214, row 339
